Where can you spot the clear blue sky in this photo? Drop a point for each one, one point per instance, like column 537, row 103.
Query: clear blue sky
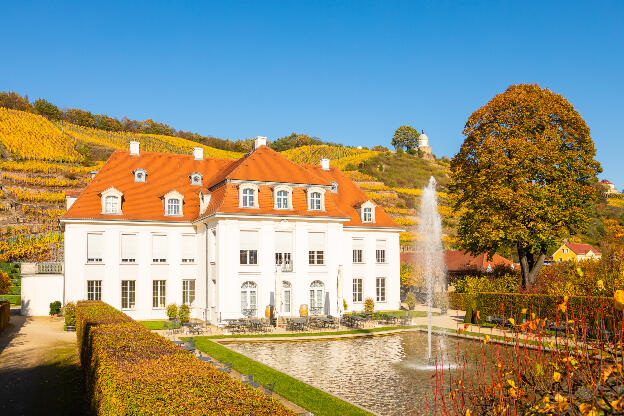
column 344, row 71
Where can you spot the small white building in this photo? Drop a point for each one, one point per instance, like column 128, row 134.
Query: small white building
column 153, row 229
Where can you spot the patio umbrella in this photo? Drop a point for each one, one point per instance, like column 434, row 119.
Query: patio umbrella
column 339, row 292
column 277, row 297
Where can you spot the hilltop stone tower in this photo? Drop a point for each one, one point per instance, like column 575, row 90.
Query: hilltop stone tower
column 423, row 145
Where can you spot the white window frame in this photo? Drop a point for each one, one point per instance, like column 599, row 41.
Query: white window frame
column 196, row 179
column 367, row 212
column 111, row 192
column 358, row 256
column 276, row 191
column 358, row 295
column 380, row 289
column 159, row 294
column 188, row 291
column 96, row 260
column 160, row 260
column 247, row 289
column 130, row 296
column 316, row 307
column 173, row 195
column 246, row 186
column 380, row 256
column 140, row 175
column 94, row 290
column 311, row 191
column 249, row 255
column 286, row 287
column 189, row 260
column 121, row 249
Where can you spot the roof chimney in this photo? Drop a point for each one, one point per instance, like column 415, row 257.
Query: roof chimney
column 259, row 141
column 198, row 153
column 325, row 164
column 93, row 173
column 134, row 148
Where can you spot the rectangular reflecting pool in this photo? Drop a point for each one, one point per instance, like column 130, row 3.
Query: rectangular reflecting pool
column 388, row 375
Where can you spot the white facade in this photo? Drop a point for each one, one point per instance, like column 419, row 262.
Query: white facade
column 218, row 273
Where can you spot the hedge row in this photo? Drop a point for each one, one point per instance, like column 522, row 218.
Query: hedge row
column 5, row 313
column 520, row 305
column 132, row 371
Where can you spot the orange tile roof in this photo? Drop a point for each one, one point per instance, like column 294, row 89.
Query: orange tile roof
column 582, row 248
column 168, row 172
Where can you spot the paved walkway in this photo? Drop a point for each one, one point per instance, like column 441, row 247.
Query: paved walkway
column 39, row 372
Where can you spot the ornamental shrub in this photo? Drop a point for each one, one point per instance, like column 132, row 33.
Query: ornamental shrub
column 184, row 314
column 410, row 299
column 369, row 305
column 131, row 371
column 172, row 311
column 69, row 311
column 55, row 307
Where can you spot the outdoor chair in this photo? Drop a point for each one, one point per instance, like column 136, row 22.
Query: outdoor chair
column 268, row 389
column 249, row 380
column 227, row 368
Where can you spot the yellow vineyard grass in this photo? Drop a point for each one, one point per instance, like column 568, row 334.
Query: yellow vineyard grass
column 338, row 156
column 405, row 222
column 45, row 213
column 30, row 136
column 35, row 166
column 149, row 142
column 357, row 176
column 43, row 181
column 37, row 249
column 616, row 202
column 401, row 211
column 27, row 195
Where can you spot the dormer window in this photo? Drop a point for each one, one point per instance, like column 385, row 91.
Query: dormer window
column 111, row 201
column 316, row 200
column 139, row 175
column 282, row 197
column 196, row 178
column 248, row 196
column 367, row 212
column 334, row 187
column 173, row 203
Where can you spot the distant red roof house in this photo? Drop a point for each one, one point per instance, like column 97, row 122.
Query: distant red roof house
column 582, row 248
column 606, row 182
column 458, row 262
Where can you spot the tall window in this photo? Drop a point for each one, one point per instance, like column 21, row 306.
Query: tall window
column 173, row 206
column 315, row 201
column 129, row 248
column 286, row 298
column 380, row 251
column 188, row 291
column 94, row 290
column 158, row 293
column 128, row 294
column 316, row 248
column 357, row 255
column 357, row 290
column 317, row 295
column 159, row 248
column 367, row 215
column 95, row 247
column 282, row 200
column 283, row 249
column 358, row 250
column 111, row 205
column 248, row 198
column 249, row 247
column 284, row 260
column 188, row 249
column 248, row 299
column 381, row 289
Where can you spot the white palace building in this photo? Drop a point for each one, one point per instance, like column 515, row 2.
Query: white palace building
column 153, row 229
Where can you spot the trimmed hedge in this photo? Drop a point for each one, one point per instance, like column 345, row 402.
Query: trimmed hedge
column 5, row 314
column 133, row 371
column 511, row 305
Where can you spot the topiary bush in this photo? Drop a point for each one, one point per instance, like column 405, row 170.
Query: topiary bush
column 55, row 307
column 369, row 305
column 172, row 311
column 184, row 314
column 410, row 299
column 69, row 311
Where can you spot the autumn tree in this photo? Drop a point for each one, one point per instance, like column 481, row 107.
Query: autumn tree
column 47, row 109
column 405, row 137
column 524, row 175
column 5, row 282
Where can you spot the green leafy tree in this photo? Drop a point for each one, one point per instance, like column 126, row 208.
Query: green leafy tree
column 80, row 117
column 524, row 175
column 47, row 109
column 405, row 137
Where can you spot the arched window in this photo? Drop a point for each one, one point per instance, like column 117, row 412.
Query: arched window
column 111, row 205
column 317, row 297
column 249, row 299
column 286, row 298
column 315, row 201
column 173, row 206
column 248, row 198
column 282, row 200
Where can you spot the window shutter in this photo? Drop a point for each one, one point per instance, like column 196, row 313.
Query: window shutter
column 159, row 246
column 381, row 245
column 95, row 247
column 358, row 244
column 188, row 247
column 129, row 246
column 249, row 240
column 283, row 242
column 316, row 242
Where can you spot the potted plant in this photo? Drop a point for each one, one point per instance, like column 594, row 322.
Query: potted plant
column 55, row 308
column 410, row 299
column 172, row 311
column 69, row 311
column 369, row 305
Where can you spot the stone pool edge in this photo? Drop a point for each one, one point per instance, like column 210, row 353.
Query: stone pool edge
column 314, row 337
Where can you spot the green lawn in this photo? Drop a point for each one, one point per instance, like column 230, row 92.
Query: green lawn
column 153, row 325
column 298, row 392
column 14, row 299
column 304, row 334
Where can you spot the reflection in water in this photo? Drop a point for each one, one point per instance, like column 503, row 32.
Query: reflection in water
column 388, row 375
